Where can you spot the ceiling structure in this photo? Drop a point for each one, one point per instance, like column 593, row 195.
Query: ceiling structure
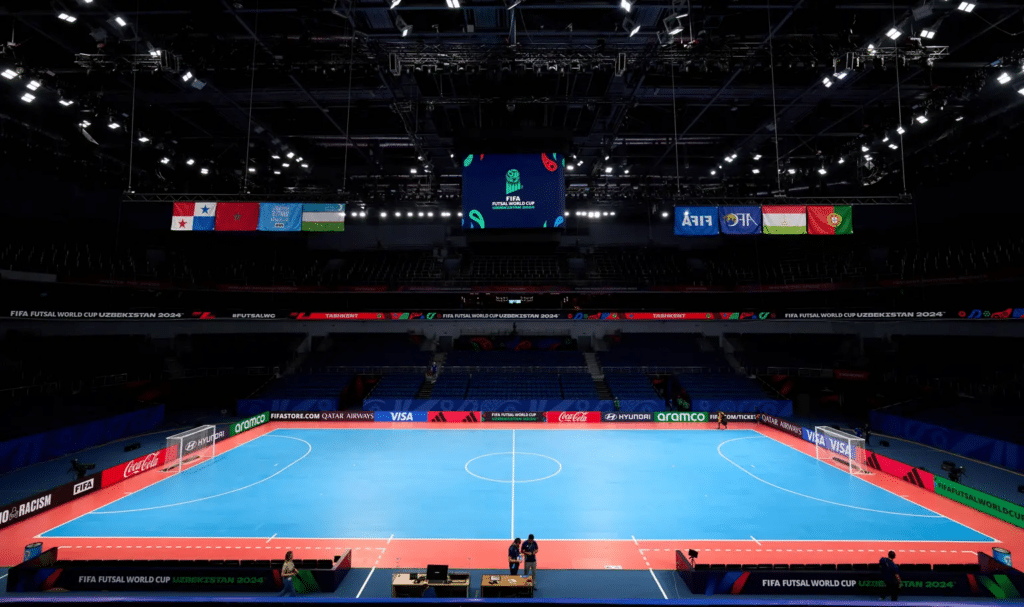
column 373, row 100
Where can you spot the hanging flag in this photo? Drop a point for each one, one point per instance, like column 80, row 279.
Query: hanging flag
column 784, row 219
column 696, row 221
column 740, row 220
column 830, row 220
column 193, row 216
column 280, row 216
column 238, row 216
column 323, row 217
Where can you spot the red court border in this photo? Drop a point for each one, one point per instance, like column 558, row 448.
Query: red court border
column 640, row 553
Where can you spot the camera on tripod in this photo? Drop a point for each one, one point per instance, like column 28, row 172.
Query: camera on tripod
column 954, row 471
column 80, row 469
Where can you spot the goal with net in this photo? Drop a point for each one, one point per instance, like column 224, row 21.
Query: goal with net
column 191, row 447
column 842, row 448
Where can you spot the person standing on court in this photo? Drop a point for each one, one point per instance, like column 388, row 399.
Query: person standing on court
column 722, row 421
column 890, row 575
column 530, row 559
column 513, row 557
column 288, row 571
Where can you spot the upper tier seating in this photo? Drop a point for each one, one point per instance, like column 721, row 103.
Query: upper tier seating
column 398, row 385
column 511, row 358
column 631, row 386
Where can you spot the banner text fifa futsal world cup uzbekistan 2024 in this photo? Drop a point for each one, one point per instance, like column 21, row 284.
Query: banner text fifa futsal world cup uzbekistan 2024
column 513, row 190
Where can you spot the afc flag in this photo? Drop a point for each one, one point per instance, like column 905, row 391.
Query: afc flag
column 740, row 220
column 696, row 221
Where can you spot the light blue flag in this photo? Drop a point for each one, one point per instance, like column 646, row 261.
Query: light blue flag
column 280, row 216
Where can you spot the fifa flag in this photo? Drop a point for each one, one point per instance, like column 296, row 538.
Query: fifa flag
column 280, row 216
column 237, row 216
column 696, row 221
column 193, row 216
column 740, row 220
column 784, row 220
column 323, row 217
column 830, row 220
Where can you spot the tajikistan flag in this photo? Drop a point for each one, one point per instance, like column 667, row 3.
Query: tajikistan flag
column 193, row 216
column 784, row 220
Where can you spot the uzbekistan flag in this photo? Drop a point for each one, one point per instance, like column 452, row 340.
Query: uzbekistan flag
column 238, row 216
column 317, row 217
column 830, row 220
column 784, row 220
column 193, row 216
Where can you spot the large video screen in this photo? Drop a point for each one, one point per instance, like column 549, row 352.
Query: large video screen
column 513, row 191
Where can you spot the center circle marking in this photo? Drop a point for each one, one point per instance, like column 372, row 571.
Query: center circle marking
column 496, row 480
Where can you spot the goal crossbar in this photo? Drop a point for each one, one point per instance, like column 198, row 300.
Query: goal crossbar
column 190, row 447
column 843, row 448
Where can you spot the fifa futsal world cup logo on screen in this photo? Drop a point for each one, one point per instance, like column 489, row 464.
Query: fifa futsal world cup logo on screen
column 512, row 182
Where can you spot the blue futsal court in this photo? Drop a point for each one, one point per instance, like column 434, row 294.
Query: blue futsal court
column 494, row 484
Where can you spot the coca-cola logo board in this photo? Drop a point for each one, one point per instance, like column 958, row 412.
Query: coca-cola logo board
column 134, row 467
column 574, row 417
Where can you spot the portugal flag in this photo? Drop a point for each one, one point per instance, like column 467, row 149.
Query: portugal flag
column 238, row 216
column 830, row 220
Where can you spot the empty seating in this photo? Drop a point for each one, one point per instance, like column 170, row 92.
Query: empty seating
column 631, row 386
column 451, row 386
column 711, row 386
column 523, row 386
column 578, row 386
column 500, row 359
column 398, row 385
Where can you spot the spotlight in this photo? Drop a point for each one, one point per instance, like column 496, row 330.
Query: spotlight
column 383, row 214
column 113, row 126
column 630, row 26
column 822, row 171
column 864, row 148
column 612, row 213
column 452, row 3
column 566, row 213
column 757, row 157
column 290, row 155
column 85, row 124
column 165, row 160
column 190, row 162
column 893, row 146
column 304, row 165
column 713, row 171
column 965, row 7
column 841, row 160
column 791, row 171
column 1021, row 91
column 33, row 85
column 277, row 172
column 252, row 169
column 66, row 102
column 827, row 82
column 67, row 17
column 607, row 169
column 928, row 34
column 28, row 97
column 569, row 167
column 286, row 165
column 756, row 171
column 204, row 171
column 404, row 28
column 412, row 170
column 276, row 157
column 460, row 213
column 9, row 74
column 420, row 214
column 921, row 119
column 186, row 77
column 672, row 25
column 664, row 213
column 840, row 75
column 154, row 52
column 626, row 5
column 1003, row 78
column 893, row 33
column 871, row 49
column 409, row 214
column 299, row 159
column 901, row 130
column 143, row 139
column 395, row 3
column 430, row 213
column 514, row 3
column 118, row 20
column 626, row 171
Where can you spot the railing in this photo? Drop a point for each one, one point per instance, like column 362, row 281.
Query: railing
column 662, row 370
column 365, row 369
column 517, row 368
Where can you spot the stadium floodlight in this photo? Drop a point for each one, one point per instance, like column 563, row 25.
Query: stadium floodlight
column 664, row 213
column 143, row 139
column 420, row 214
column 728, row 158
column 9, row 74
column 395, row 3
column 252, row 169
column 452, row 3
column 1003, row 78
column 893, row 34
column 118, row 20
column 822, row 171
column 66, row 102
column 607, row 169
column 840, row 75
column 154, row 52
column 33, row 85
column 838, row 447
column 286, row 165
column 626, row 5
column 901, row 130
column 460, row 213
column 404, row 28
column 68, row 18
column 85, row 124
column 965, row 7
column 871, row 49
column 757, row 157
column 190, row 162
column 290, row 155
column 604, row 213
column 190, row 447
column 383, row 214
column 204, row 171
column 277, row 172
column 921, row 119
column 299, row 159
column 275, row 157
column 791, row 171
column 827, row 82
column 28, row 97
column 841, row 160
column 756, row 171
column 569, row 167
column 566, row 213
column 630, row 26
column 713, row 171
column 612, row 213
column 165, row 160
column 1021, row 91
column 928, row 34
column 868, row 157
column 885, row 139
column 186, row 77
column 113, row 125
column 430, row 213
column 626, row 171
column 409, row 214
column 304, row 165
column 864, row 148
column 893, row 146
column 412, row 170
column 959, row 118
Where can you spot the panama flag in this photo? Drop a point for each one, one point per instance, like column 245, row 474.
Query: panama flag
column 830, row 220
column 784, row 220
column 193, row 216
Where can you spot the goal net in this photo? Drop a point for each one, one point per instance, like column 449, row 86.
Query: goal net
column 191, row 447
column 841, row 448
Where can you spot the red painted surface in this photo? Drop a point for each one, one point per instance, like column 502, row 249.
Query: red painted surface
column 492, row 554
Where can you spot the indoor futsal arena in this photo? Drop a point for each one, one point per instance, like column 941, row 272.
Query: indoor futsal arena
column 566, row 302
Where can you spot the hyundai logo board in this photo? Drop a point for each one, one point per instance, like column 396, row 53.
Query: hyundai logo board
column 400, row 416
column 627, row 417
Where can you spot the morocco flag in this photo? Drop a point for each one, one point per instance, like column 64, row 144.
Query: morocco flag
column 830, row 220
column 238, row 216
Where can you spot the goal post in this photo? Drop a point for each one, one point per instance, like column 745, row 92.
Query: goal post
column 190, row 447
column 843, row 448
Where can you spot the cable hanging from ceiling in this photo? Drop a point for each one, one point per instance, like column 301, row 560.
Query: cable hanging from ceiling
column 252, row 83
column 775, row 110
column 899, row 107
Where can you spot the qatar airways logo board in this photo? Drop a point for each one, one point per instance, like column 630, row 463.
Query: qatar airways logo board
column 400, row 416
column 134, row 467
column 574, row 417
column 783, row 425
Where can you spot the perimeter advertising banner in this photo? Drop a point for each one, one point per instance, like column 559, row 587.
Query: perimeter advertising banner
column 513, row 416
column 982, row 502
column 834, row 583
column 321, row 416
column 619, row 416
column 135, row 467
column 827, row 442
column 249, row 424
column 573, row 417
column 400, row 416
column 781, row 424
column 455, row 417
column 682, row 416
column 41, row 502
column 914, row 476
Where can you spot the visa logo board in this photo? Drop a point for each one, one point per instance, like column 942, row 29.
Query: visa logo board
column 827, row 442
column 399, row 416
column 696, row 221
column 739, row 220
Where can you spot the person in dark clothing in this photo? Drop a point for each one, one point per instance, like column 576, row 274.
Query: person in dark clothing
column 722, row 421
column 867, row 434
column 513, row 557
column 530, row 560
column 616, row 404
column 683, row 403
column 890, row 575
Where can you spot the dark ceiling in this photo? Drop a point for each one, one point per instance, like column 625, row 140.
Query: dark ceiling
column 337, row 85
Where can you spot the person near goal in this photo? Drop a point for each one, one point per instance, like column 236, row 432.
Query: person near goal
column 288, row 571
column 890, row 575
